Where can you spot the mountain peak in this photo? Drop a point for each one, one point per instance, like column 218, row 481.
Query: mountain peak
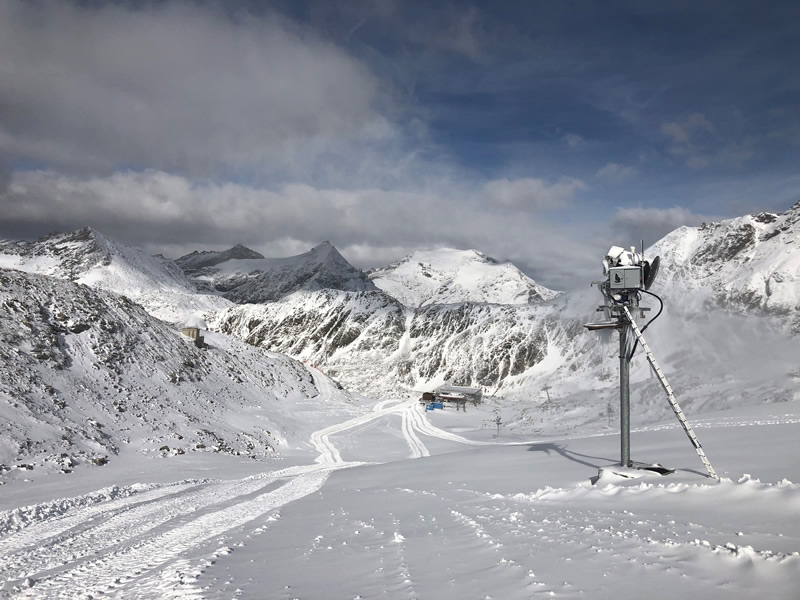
column 196, row 261
column 254, row 279
column 240, row 252
column 448, row 276
column 323, row 250
column 87, row 256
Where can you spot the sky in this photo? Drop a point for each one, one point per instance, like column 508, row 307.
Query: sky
column 536, row 132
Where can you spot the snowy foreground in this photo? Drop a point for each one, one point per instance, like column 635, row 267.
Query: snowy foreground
column 395, row 502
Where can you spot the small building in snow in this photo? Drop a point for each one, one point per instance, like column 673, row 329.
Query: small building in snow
column 194, row 334
column 458, row 393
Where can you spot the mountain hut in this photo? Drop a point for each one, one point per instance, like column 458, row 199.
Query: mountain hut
column 457, row 393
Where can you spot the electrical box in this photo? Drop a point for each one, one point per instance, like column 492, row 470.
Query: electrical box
column 625, row 278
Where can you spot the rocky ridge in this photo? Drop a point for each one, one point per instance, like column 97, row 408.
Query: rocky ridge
column 87, row 373
column 378, row 346
column 749, row 265
column 196, row 261
column 244, row 276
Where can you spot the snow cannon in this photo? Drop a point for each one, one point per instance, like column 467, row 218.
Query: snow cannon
column 628, row 271
column 628, row 275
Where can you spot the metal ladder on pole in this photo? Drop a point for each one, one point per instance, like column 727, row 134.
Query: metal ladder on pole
column 670, row 396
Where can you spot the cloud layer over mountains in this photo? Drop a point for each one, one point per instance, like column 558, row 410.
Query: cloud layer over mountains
column 539, row 134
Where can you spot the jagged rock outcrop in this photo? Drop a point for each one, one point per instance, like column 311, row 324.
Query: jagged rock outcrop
column 375, row 344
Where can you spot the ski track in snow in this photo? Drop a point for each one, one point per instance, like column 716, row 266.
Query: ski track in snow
column 122, row 545
column 413, row 422
column 141, row 544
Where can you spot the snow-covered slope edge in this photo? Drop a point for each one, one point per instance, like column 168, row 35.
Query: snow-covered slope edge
column 87, row 256
column 86, row 374
column 447, row 276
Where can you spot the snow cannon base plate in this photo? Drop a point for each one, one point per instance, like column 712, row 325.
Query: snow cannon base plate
column 616, row 473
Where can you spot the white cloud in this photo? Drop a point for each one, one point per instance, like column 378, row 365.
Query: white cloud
column 616, row 172
column 170, row 214
column 651, row 224
column 531, row 194
column 182, row 87
column 573, row 140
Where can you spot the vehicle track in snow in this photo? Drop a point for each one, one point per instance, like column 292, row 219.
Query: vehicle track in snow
column 136, row 564
column 123, row 547
column 133, row 545
column 329, row 453
column 413, row 424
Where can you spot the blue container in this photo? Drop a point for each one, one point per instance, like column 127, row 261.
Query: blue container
column 438, row 405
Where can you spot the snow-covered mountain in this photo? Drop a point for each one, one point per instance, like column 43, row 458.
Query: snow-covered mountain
column 87, row 372
column 244, row 276
column 376, row 345
column 729, row 322
column 195, row 261
column 730, row 292
column 88, row 375
column 444, row 315
column 86, row 256
column 447, row 276
column 750, row 265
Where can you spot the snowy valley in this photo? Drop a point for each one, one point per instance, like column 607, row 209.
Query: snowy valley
column 290, row 457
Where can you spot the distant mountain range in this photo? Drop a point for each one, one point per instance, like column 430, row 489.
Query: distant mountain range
column 71, row 353
column 244, row 276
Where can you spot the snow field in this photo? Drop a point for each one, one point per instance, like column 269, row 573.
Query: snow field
column 500, row 519
column 124, row 539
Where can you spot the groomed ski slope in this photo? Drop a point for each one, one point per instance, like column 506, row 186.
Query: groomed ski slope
column 119, row 541
column 474, row 517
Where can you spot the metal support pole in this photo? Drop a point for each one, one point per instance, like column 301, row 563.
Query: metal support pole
column 624, row 395
column 670, row 395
